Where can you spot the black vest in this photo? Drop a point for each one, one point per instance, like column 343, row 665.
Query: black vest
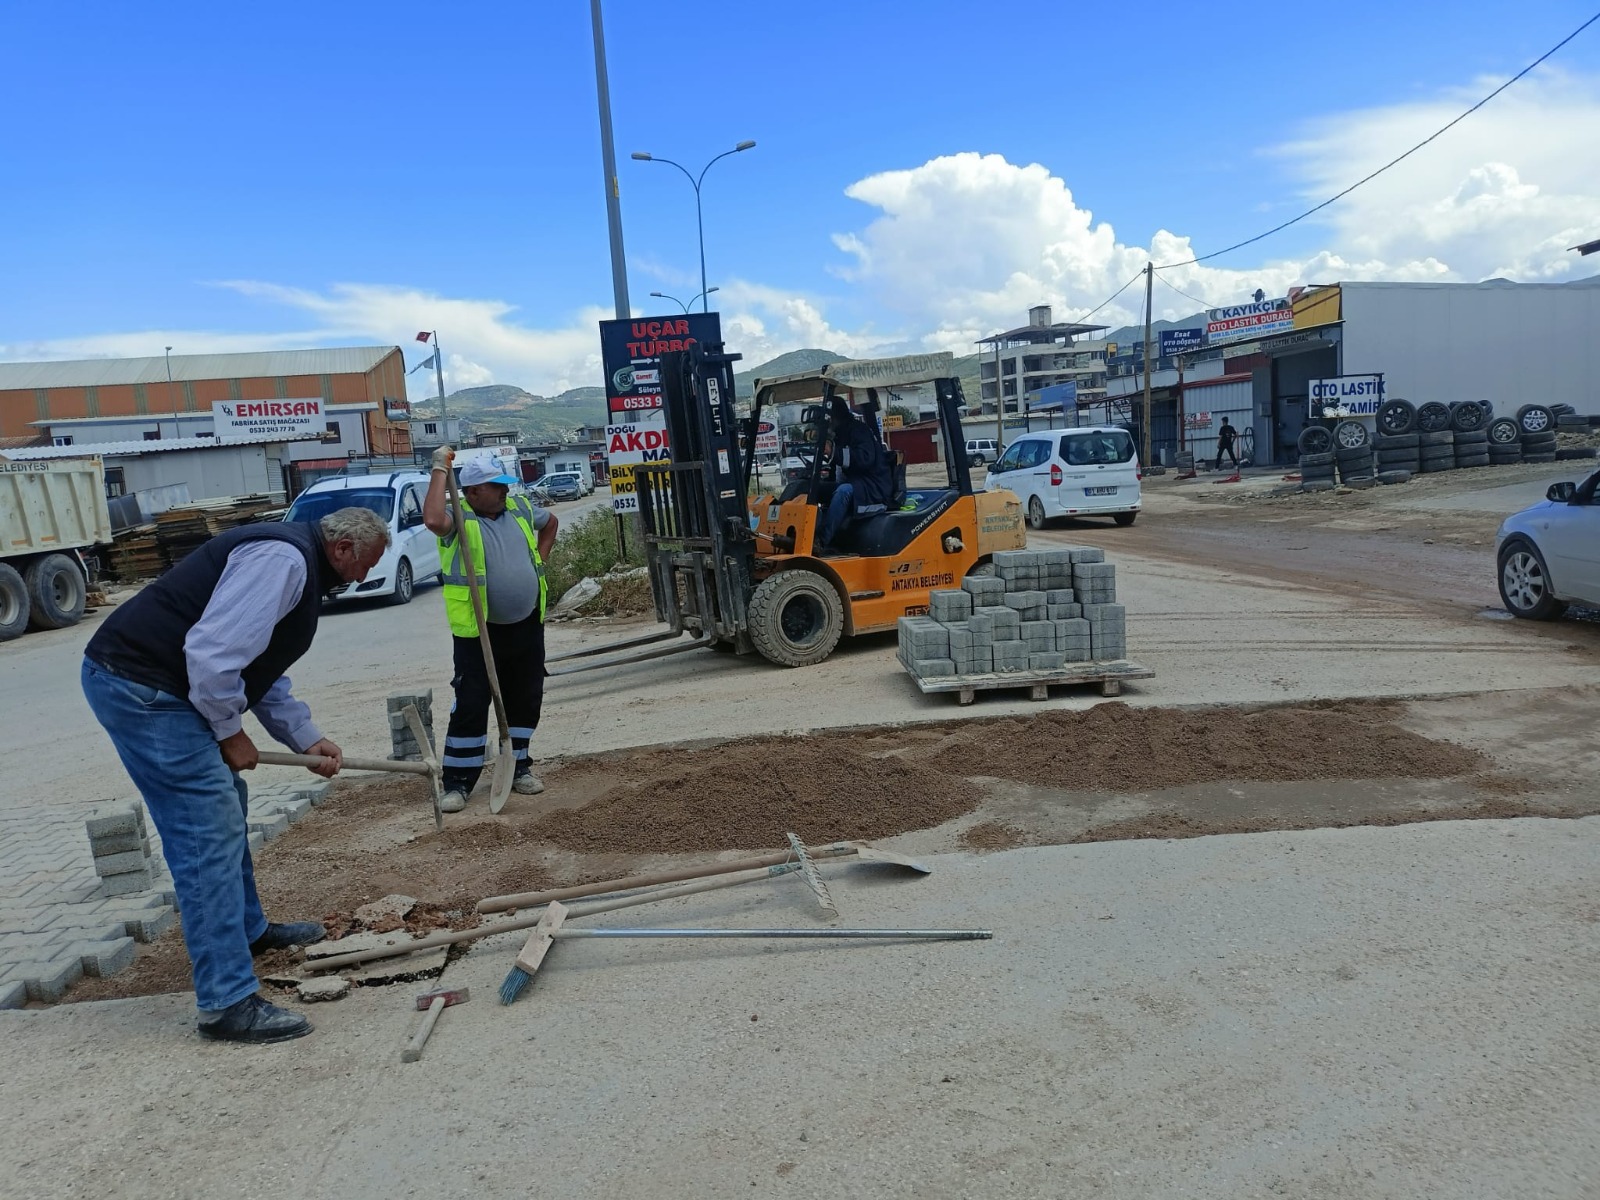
column 142, row 639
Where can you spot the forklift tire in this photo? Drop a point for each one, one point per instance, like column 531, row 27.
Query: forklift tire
column 796, row 618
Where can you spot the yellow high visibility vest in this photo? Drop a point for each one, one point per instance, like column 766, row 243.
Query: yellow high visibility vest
column 457, row 595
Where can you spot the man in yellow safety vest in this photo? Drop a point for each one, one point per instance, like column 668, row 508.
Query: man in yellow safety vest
column 509, row 539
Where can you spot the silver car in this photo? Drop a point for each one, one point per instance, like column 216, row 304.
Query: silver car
column 1549, row 554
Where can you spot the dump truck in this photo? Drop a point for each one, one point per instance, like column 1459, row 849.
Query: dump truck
column 50, row 512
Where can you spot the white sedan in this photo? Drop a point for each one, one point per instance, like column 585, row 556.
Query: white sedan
column 1549, row 554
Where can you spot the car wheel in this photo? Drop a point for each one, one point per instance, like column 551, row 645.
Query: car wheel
column 1433, row 417
column 1350, row 435
column 1314, row 439
column 976, row 460
column 1125, row 519
column 1397, row 418
column 1536, row 418
column 404, row 584
column 1503, row 432
column 1035, row 513
column 1467, row 417
column 1525, row 582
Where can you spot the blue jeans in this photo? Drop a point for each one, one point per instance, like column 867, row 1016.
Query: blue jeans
column 840, row 505
column 198, row 805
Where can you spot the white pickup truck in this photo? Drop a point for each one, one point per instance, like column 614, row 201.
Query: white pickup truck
column 49, row 512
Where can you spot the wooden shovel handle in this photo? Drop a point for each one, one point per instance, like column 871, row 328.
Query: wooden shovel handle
column 273, row 758
column 477, row 604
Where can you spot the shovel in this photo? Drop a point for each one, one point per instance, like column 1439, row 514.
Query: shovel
column 505, row 763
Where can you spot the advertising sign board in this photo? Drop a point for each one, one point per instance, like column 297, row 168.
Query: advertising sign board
column 234, row 419
column 1345, row 396
column 630, row 355
column 767, row 438
column 1248, row 320
column 1181, row 341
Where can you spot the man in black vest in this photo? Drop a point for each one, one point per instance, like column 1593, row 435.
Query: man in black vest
column 169, row 675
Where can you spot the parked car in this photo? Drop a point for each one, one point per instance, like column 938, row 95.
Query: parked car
column 564, row 485
column 413, row 552
column 980, row 451
column 1548, row 555
column 1072, row 473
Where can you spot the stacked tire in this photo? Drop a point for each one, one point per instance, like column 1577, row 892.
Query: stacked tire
column 1569, row 419
column 1437, row 450
column 1472, row 447
column 1316, row 472
column 1505, row 442
column 1397, row 452
column 1537, row 423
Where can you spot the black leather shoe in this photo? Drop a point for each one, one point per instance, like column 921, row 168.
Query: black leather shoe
column 256, row 1022
column 292, row 933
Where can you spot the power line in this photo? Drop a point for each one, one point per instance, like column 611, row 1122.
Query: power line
column 1084, row 319
column 1392, row 162
column 1184, row 294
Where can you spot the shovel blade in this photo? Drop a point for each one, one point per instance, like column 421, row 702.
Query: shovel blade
column 872, row 854
column 505, row 770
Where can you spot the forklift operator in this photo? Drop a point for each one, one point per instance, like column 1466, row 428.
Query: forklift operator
column 861, row 473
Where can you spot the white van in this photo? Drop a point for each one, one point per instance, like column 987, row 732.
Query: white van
column 396, row 496
column 1072, row 473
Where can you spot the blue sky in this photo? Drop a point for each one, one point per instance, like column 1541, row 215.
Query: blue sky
column 240, row 176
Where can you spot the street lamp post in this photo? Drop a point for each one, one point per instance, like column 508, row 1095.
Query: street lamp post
column 680, row 303
column 642, row 156
column 172, row 395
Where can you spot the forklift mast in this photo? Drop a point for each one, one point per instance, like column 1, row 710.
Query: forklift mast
column 699, row 545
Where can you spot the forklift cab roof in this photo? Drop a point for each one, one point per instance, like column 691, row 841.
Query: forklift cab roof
column 856, row 375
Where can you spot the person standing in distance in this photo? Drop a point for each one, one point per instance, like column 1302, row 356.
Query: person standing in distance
column 1225, row 438
column 169, row 674
column 508, row 539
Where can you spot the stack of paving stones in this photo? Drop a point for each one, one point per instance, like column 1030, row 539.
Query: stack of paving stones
column 405, row 748
column 58, row 919
column 1041, row 611
column 119, row 843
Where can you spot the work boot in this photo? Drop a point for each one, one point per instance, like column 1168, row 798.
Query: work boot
column 294, row 933
column 454, row 801
column 256, row 1022
column 527, row 784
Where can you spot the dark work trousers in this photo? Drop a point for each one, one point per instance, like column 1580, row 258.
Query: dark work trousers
column 1225, row 448
column 519, row 661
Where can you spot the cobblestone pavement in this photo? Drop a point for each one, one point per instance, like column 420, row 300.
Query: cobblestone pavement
column 57, row 924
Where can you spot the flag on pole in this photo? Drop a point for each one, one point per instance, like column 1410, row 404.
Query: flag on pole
column 427, row 362
column 424, row 336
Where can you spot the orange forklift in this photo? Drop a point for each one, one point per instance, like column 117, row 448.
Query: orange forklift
column 742, row 572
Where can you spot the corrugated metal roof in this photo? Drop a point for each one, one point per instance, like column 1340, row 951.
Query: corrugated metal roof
column 106, row 372
column 196, row 416
column 153, row 446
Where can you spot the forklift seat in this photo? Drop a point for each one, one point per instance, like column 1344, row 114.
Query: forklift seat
column 880, row 534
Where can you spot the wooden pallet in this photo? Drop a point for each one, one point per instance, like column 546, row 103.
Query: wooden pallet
column 1109, row 675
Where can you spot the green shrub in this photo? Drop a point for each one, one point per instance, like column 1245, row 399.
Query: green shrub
column 588, row 546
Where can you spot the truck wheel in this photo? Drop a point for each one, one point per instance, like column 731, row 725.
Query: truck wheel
column 56, row 591
column 13, row 603
column 796, row 618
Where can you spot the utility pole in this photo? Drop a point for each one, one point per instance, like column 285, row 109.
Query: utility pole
column 999, row 406
column 1149, row 355
column 608, row 153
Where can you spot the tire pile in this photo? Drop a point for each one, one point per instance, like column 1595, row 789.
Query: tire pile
column 1412, row 439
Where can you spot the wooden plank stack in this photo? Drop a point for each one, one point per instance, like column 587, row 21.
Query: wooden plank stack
column 148, row 550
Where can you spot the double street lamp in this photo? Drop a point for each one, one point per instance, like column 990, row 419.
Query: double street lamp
column 705, row 293
column 680, row 303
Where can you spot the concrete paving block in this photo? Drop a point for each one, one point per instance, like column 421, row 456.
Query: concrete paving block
column 256, row 842
column 1046, row 662
column 48, row 982
column 148, row 929
column 1063, row 612
column 1011, row 656
column 328, row 987
column 120, row 864
column 270, row 827
column 984, row 589
column 13, row 994
column 1061, row 595
column 117, row 843
column 112, row 819
column 933, row 668
column 103, row 959
column 1076, row 653
column 316, row 792
column 127, row 882
column 950, row 606
column 1060, row 556
column 1087, row 554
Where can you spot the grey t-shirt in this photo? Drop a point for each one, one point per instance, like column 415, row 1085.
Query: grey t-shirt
column 512, row 582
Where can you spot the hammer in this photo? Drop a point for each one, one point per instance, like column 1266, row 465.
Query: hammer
column 435, row 1002
column 429, row 765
